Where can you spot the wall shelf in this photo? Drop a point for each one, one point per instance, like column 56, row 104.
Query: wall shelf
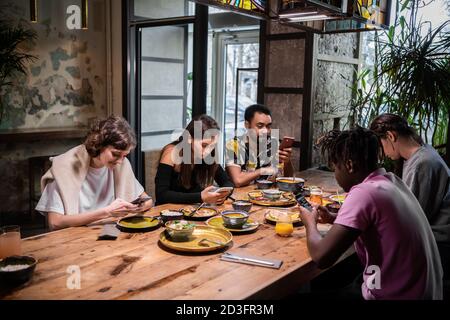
column 27, row 135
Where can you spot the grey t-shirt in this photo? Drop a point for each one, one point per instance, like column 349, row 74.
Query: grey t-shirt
column 428, row 177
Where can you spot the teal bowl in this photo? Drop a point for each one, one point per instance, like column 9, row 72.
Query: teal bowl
column 234, row 219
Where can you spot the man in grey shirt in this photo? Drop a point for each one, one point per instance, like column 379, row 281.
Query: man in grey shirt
column 425, row 173
column 428, row 177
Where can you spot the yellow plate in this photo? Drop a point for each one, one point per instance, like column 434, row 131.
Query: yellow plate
column 201, row 232
column 287, row 199
column 338, row 198
column 271, row 216
column 138, row 223
column 201, row 214
column 218, row 222
column 325, row 201
column 255, row 194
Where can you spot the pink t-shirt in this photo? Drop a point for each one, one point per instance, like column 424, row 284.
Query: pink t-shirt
column 396, row 241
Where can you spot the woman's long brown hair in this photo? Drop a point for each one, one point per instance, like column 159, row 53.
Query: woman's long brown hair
column 203, row 173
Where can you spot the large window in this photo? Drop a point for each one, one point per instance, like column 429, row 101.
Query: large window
column 158, row 83
column 162, row 9
column 233, row 61
column 169, row 50
column 164, row 60
column 166, row 83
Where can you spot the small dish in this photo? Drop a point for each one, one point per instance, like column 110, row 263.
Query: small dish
column 264, row 184
column 138, row 224
column 273, row 214
column 248, row 227
column 272, row 194
column 16, row 270
column 204, row 213
column 234, row 219
column 241, row 205
column 333, row 207
column 169, row 215
column 180, row 230
column 338, row 198
column 290, row 184
column 217, row 238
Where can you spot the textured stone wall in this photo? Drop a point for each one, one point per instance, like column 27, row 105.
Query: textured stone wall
column 64, row 87
column 343, row 45
column 332, row 84
column 287, row 117
column 285, row 69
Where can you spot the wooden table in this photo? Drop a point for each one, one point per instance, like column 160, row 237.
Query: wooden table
column 135, row 266
column 323, row 179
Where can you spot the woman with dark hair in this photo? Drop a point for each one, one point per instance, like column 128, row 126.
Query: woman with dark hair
column 93, row 181
column 381, row 217
column 424, row 172
column 188, row 167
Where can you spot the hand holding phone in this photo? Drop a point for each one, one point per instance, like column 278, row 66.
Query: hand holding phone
column 141, row 200
column 303, row 202
column 223, row 190
column 287, row 142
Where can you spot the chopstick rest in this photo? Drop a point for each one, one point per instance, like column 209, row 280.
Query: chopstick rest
column 252, row 260
column 109, row 232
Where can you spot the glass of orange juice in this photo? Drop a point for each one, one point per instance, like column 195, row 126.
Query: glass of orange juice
column 10, row 241
column 316, row 196
column 284, row 226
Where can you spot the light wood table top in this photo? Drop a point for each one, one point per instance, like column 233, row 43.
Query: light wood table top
column 136, row 266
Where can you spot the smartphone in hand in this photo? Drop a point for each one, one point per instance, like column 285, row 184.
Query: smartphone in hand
column 287, row 142
column 303, row 202
column 223, row 189
column 140, row 200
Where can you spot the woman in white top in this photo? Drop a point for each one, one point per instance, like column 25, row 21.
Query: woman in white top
column 93, row 181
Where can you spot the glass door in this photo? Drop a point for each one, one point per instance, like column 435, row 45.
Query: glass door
column 166, row 83
column 237, row 80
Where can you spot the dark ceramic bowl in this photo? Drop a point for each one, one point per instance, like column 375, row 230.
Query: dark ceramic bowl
column 290, row 184
column 19, row 276
column 241, row 205
column 333, row 207
column 234, row 219
column 169, row 215
column 264, row 184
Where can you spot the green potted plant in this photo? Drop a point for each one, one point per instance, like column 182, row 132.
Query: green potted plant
column 411, row 77
column 13, row 57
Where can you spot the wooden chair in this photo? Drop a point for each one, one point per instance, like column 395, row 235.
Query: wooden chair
column 37, row 166
column 151, row 162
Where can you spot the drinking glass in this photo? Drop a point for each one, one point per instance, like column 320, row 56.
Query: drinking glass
column 10, row 243
column 316, row 196
column 284, row 226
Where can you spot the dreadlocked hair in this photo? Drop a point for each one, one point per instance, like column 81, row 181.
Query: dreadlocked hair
column 359, row 145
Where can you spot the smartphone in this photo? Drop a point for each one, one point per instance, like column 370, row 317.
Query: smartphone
column 140, row 200
column 287, row 142
column 303, row 202
column 223, row 189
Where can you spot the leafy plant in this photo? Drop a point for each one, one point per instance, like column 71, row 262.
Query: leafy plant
column 13, row 58
column 411, row 76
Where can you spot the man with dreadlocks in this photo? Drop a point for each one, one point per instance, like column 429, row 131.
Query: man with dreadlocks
column 392, row 236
